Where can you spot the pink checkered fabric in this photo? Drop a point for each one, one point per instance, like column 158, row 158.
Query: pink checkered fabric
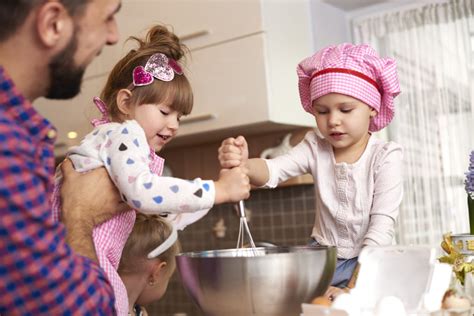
column 156, row 163
column 353, row 70
column 109, row 240
column 110, row 237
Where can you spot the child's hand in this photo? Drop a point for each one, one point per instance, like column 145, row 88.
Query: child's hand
column 233, row 152
column 233, row 185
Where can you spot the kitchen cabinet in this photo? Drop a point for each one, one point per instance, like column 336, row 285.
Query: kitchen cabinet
column 242, row 63
column 248, row 85
column 229, row 83
column 242, row 66
column 198, row 23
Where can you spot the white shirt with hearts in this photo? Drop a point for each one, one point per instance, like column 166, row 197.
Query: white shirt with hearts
column 123, row 150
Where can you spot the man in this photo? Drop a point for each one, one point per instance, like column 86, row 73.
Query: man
column 45, row 46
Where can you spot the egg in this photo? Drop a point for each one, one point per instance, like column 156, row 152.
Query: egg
column 390, row 306
column 321, row 300
column 455, row 302
column 348, row 303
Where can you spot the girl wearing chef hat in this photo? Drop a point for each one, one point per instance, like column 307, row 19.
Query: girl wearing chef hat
column 349, row 90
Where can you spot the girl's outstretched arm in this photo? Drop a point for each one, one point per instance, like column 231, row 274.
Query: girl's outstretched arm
column 123, row 150
column 258, row 172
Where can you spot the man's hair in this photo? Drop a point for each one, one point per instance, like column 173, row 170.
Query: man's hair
column 13, row 13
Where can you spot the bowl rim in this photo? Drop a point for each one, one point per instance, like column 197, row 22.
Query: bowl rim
column 273, row 251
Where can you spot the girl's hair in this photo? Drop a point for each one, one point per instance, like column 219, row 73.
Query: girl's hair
column 176, row 93
column 148, row 233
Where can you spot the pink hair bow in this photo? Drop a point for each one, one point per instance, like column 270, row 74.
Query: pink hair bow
column 158, row 66
column 103, row 110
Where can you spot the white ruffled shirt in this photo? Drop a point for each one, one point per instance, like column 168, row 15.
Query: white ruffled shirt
column 356, row 204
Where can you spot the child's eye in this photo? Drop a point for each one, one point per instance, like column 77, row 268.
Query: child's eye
column 346, row 110
column 321, row 112
column 164, row 112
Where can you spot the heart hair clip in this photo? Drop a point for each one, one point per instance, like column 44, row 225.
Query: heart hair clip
column 158, row 66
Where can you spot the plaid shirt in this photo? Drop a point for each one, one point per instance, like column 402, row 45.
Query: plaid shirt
column 39, row 273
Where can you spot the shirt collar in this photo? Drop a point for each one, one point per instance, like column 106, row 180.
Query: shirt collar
column 19, row 109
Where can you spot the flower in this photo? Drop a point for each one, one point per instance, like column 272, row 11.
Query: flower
column 469, row 182
column 455, row 258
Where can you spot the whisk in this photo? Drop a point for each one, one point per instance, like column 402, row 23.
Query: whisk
column 245, row 230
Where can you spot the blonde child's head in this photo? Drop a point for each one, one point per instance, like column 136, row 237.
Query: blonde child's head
column 149, row 234
column 355, row 71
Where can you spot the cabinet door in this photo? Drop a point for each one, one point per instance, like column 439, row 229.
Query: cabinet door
column 203, row 22
column 229, row 84
column 198, row 23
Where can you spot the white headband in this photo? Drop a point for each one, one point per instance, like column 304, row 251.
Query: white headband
column 165, row 245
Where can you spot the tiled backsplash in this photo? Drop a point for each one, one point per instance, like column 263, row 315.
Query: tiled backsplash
column 282, row 216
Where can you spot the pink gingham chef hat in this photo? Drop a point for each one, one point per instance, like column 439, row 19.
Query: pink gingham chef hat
column 353, row 70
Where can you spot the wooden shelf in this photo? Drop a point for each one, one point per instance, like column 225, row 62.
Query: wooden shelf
column 300, row 180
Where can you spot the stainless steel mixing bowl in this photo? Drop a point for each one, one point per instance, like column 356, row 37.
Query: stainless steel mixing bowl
column 275, row 282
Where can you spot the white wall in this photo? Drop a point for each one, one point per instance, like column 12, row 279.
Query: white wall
column 330, row 25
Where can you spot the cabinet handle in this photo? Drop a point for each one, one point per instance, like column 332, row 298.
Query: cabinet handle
column 197, row 118
column 194, row 35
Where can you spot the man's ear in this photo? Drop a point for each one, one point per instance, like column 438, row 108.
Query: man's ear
column 54, row 24
column 123, row 101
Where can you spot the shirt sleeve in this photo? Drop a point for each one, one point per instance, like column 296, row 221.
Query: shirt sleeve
column 39, row 273
column 125, row 155
column 388, row 193
column 294, row 163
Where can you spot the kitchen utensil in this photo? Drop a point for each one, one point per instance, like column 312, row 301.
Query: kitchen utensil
column 275, row 282
column 279, row 150
column 244, row 230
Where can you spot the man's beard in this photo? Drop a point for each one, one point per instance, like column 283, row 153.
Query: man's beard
column 64, row 76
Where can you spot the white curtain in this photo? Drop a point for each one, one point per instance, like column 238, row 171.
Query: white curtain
column 434, row 121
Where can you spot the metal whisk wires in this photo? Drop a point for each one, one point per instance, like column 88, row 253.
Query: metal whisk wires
column 244, row 230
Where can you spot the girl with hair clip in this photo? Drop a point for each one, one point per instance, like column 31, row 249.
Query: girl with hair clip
column 146, row 268
column 142, row 102
column 357, row 178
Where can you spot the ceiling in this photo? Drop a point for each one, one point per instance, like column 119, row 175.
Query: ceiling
column 349, row 5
